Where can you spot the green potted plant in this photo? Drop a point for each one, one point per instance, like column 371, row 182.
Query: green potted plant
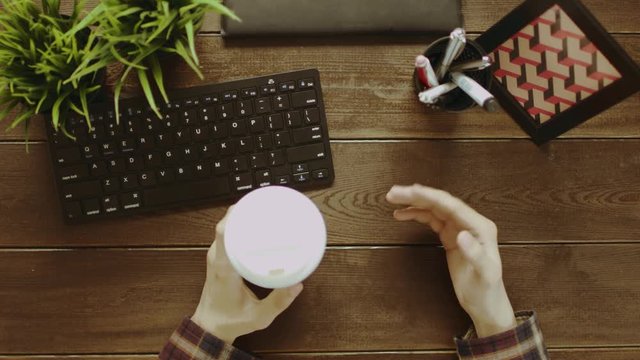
column 37, row 57
column 138, row 33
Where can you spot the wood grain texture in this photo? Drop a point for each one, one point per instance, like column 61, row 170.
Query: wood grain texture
column 359, row 299
column 556, row 354
column 368, row 90
column 566, row 191
column 479, row 16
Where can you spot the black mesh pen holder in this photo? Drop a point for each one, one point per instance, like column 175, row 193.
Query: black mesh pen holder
column 456, row 99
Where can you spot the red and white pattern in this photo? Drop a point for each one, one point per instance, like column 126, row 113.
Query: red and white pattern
column 550, row 65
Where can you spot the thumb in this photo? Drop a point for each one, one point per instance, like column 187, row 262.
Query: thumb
column 470, row 248
column 277, row 302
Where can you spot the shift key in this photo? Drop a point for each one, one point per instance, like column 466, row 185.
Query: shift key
column 305, row 153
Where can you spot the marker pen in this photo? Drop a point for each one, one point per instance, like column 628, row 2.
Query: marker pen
column 431, row 96
column 425, row 72
column 479, row 94
column 457, row 42
column 473, row 65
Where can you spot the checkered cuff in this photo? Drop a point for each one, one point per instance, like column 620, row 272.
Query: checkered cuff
column 191, row 342
column 525, row 342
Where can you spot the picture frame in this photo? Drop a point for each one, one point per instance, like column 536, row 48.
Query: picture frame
column 555, row 67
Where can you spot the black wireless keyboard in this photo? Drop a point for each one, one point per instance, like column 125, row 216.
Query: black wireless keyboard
column 214, row 142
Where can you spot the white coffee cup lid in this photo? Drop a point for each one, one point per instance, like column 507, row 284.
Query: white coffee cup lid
column 275, row 237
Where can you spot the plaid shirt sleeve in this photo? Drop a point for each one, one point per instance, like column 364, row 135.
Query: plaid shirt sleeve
column 522, row 343
column 191, row 342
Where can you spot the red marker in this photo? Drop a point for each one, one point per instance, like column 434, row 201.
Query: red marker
column 425, row 72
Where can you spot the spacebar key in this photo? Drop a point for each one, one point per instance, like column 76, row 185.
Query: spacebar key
column 187, row 191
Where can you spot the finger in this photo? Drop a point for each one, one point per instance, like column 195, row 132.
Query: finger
column 442, row 204
column 277, row 302
column 471, row 249
column 420, row 215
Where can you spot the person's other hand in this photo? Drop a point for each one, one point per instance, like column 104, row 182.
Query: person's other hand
column 228, row 308
column 471, row 244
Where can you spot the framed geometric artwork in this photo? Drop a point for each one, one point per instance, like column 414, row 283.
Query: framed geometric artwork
column 555, row 66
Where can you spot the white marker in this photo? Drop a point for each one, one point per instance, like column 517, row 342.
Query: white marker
column 474, row 65
column 479, row 94
column 431, row 96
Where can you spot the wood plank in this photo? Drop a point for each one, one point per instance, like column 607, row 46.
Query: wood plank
column 360, row 105
column 479, row 16
column 556, row 354
column 566, row 191
column 360, row 299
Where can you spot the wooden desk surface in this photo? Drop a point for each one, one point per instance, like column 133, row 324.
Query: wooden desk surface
column 568, row 214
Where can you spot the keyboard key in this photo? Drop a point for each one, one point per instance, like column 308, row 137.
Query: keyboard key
column 116, row 166
column 199, row 134
column 146, row 142
column 268, row 90
column 129, row 182
column 81, row 190
column 108, row 148
column 72, row 210
column 306, row 83
column 91, row 207
column 301, row 177
column 221, row 167
column 275, row 122
column 68, row 156
column 245, row 145
column 242, row 182
column 89, row 151
column 306, row 152
column 224, row 111
column 75, row 172
column 258, row 161
column 245, row 108
column 311, row 116
column 111, row 185
column 225, row 148
column 320, row 174
column 132, row 200
column 152, row 160
column 165, row 176
column 147, row 178
column 207, row 151
column 207, row 114
column 293, row 119
column 181, row 192
column 299, row 168
column 239, row 164
column 256, row 125
column 188, row 154
column 210, row 99
column 249, row 92
column 281, row 102
column 263, row 142
column 238, row 127
column 287, row 86
column 219, row 131
column 282, row 180
column 98, row 169
column 305, row 98
column 163, row 140
column 276, row 158
column 230, row 96
column 135, row 162
column 127, row 145
column 182, row 136
column 183, row 173
column 189, row 102
column 169, row 120
column 132, row 127
column 307, row 135
column 263, row 178
column 281, row 138
column 170, row 157
column 110, row 204
column 201, row 170
column 263, row 105
column 189, row 117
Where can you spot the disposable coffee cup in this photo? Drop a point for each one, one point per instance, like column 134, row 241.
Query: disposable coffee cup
column 275, row 237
